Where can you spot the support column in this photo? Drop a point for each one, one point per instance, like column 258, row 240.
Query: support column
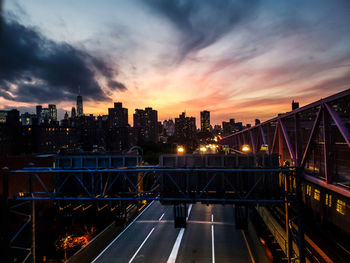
column 31, row 190
column 299, row 203
column 327, row 146
column 286, row 207
column 4, row 238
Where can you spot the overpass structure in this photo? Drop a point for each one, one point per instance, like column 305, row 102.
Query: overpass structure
column 179, row 181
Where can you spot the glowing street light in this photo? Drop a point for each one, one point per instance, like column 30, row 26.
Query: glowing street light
column 264, row 147
column 245, row 148
column 180, row 149
column 203, row 149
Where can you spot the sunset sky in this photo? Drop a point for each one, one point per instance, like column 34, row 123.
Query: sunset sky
column 237, row 59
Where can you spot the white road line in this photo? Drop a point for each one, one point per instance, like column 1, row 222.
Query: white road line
column 189, row 211
column 103, row 251
column 176, row 247
column 212, row 240
column 137, row 251
column 212, row 244
column 173, row 254
column 160, row 218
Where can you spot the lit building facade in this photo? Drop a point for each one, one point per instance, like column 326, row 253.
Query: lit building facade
column 146, row 122
column 205, row 121
column 80, row 111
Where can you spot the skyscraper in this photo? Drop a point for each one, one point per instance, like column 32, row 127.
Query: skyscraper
column 38, row 110
column 205, row 120
column 73, row 113
column 185, row 127
column 79, row 106
column 146, row 121
column 53, row 112
column 118, row 116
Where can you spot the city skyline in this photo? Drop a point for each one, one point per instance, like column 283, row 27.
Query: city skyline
column 236, row 59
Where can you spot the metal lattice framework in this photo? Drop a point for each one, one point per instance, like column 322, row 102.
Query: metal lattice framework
column 258, row 185
column 175, row 186
column 315, row 137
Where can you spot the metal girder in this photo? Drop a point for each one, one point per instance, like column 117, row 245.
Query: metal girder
column 340, row 124
column 287, row 140
column 311, row 137
column 132, row 177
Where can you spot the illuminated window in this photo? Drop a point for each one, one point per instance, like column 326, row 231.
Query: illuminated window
column 328, row 200
column 317, row 195
column 341, row 205
column 294, row 183
column 308, row 190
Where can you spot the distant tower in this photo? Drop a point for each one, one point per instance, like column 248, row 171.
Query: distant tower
column 295, row 105
column 66, row 116
column 79, row 104
column 205, row 120
column 73, row 113
column 53, row 112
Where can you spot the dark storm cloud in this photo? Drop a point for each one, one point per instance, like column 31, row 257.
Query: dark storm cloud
column 202, row 23
column 116, row 85
column 36, row 69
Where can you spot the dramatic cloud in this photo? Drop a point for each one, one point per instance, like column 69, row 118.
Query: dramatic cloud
column 237, row 58
column 36, row 69
column 201, row 23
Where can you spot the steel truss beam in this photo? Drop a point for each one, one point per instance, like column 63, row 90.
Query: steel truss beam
column 326, row 113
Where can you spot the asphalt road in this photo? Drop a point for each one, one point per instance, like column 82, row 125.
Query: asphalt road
column 210, row 236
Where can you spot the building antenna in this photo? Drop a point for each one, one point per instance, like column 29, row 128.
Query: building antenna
column 79, row 90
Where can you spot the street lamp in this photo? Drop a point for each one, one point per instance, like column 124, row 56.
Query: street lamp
column 203, row 149
column 245, row 148
column 180, row 149
column 264, row 147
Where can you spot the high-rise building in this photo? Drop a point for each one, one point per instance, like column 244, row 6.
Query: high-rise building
column 80, row 106
column 12, row 118
column 73, row 113
column 118, row 116
column 38, row 111
column 185, row 127
column 295, row 105
column 169, row 127
column 146, row 122
column 205, row 121
column 3, row 114
column 45, row 116
column 231, row 127
column 28, row 119
column 53, row 112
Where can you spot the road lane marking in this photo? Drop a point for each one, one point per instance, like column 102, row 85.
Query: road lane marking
column 103, row 251
column 248, row 247
column 160, row 218
column 173, row 254
column 212, row 240
column 176, row 247
column 137, row 251
column 189, row 211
